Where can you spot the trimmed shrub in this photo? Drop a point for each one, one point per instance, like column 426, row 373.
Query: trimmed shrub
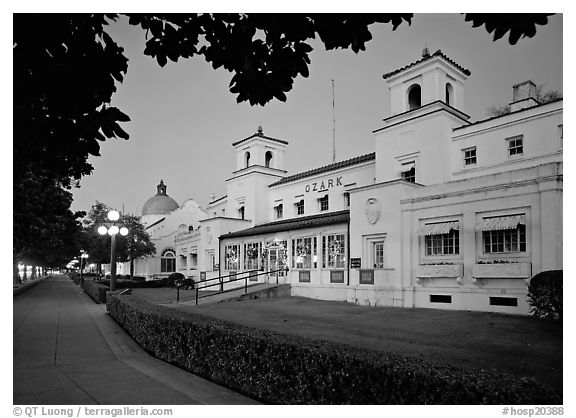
column 96, row 291
column 75, row 278
column 283, row 369
column 173, row 278
column 545, row 295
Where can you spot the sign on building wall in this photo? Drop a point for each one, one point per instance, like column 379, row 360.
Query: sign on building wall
column 323, row 185
column 355, row 263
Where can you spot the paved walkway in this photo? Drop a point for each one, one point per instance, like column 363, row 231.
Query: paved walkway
column 67, row 350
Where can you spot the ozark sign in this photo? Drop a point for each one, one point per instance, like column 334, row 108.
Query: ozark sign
column 323, row 185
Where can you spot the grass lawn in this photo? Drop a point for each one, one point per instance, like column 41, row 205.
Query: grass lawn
column 522, row 346
column 166, row 294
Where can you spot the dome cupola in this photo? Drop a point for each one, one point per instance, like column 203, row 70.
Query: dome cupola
column 159, row 204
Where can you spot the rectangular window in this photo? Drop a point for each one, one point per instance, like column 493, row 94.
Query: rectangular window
column 442, row 244
column 300, row 207
column 183, row 262
column 251, row 255
column 440, row 299
column 304, row 276
column 336, row 276
column 323, row 201
column 334, row 251
column 279, row 211
column 232, row 257
column 366, row 276
column 469, row 156
column 500, row 301
column 515, row 146
column 210, row 261
column 505, row 241
column 408, row 171
column 346, row 199
column 304, row 253
column 193, row 261
column 378, row 254
column 561, row 135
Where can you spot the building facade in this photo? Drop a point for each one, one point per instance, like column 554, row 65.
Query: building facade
column 445, row 213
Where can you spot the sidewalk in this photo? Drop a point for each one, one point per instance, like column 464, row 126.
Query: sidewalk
column 67, row 350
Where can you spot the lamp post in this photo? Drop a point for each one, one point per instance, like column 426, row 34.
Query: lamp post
column 112, row 229
column 82, row 255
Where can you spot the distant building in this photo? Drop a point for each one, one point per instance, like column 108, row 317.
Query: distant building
column 444, row 213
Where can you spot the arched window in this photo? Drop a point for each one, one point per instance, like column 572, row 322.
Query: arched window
column 247, row 159
column 168, row 261
column 414, row 96
column 449, row 94
column 268, row 157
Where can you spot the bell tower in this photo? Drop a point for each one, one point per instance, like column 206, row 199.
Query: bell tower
column 259, row 162
column 433, row 77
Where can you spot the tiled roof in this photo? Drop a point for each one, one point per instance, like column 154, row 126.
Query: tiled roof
column 506, row 114
column 426, row 57
column 292, row 224
column 326, row 168
column 260, row 135
column 155, row 223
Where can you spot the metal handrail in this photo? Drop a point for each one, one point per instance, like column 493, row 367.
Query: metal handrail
column 245, row 278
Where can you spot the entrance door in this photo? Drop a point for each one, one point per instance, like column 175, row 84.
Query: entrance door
column 275, row 262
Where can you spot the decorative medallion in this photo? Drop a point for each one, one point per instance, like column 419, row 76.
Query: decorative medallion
column 373, row 210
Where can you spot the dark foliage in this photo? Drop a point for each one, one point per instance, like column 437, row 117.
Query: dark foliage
column 96, row 291
column 136, row 284
column 283, row 369
column 545, row 294
column 175, row 279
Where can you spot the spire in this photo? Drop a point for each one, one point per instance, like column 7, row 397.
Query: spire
column 260, row 131
column 161, row 188
column 425, row 51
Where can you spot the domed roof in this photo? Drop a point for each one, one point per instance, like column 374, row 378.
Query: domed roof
column 159, row 204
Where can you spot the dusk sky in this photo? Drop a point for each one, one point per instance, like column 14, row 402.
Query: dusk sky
column 184, row 120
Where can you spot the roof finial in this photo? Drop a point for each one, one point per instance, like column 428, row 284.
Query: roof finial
column 161, row 187
column 260, row 130
column 425, row 52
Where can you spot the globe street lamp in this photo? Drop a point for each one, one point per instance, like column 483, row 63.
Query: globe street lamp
column 82, row 256
column 112, row 229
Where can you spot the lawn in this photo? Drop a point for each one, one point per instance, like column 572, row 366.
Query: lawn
column 166, row 294
column 522, row 346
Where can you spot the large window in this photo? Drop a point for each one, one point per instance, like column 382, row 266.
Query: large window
column 334, row 251
column 304, row 253
column 506, row 241
column 232, row 257
column 504, row 234
column 251, row 255
column 515, row 146
column 442, row 244
column 168, row 261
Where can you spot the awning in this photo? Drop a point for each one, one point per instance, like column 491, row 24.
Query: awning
column 500, row 223
column 408, row 166
column 439, row 228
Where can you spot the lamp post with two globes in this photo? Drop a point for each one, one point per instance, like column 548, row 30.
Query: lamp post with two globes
column 112, row 229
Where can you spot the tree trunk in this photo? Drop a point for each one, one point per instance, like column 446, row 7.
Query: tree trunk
column 16, row 273
column 33, row 274
column 25, row 275
column 131, row 267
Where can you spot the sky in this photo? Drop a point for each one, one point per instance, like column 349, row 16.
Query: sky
column 184, row 120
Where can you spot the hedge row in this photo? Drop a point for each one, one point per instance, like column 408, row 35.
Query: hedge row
column 545, row 295
column 282, row 369
column 96, row 291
